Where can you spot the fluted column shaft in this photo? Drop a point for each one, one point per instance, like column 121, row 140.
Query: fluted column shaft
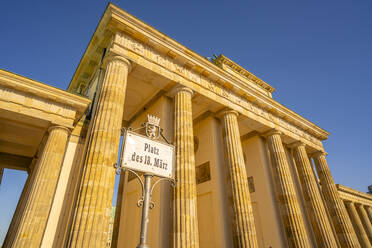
column 365, row 220
column 92, row 214
column 185, row 229
column 17, row 216
column 360, row 232
column 245, row 231
column 318, row 215
column 369, row 212
column 1, row 174
column 290, row 209
column 41, row 190
column 336, row 208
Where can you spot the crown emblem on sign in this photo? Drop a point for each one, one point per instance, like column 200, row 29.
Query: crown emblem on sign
column 153, row 120
column 152, row 127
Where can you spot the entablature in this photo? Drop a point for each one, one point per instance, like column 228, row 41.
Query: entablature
column 122, row 33
column 237, row 70
column 349, row 194
column 26, row 96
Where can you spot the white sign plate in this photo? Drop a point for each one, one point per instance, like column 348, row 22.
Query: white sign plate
column 146, row 155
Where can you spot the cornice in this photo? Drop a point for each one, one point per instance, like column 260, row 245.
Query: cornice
column 116, row 19
column 241, row 70
column 30, row 86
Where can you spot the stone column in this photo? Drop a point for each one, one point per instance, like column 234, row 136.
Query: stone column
column 365, row 220
column 290, row 209
column 316, row 210
column 358, row 226
column 336, row 208
column 118, row 210
column 185, row 220
column 17, row 216
column 243, row 222
column 41, row 190
column 93, row 208
column 1, row 174
column 369, row 212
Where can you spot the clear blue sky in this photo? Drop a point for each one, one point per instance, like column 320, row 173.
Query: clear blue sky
column 317, row 54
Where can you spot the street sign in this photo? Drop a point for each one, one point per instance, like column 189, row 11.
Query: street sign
column 153, row 158
column 147, row 155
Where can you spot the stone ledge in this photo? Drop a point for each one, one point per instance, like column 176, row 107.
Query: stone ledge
column 348, row 193
column 50, row 94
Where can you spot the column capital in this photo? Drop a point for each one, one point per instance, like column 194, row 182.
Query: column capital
column 180, row 88
column 297, row 144
column 116, row 57
column 318, row 154
column 53, row 127
column 348, row 202
column 226, row 111
column 272, row 132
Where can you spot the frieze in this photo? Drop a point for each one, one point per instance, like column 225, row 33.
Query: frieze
column 169, row 64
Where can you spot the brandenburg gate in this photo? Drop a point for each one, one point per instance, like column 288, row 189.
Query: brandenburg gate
column 249, row 172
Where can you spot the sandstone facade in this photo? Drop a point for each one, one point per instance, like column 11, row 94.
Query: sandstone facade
column 249, row 172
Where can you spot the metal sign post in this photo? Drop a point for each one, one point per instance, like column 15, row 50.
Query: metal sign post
column 145, row 212
column 153, row 158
